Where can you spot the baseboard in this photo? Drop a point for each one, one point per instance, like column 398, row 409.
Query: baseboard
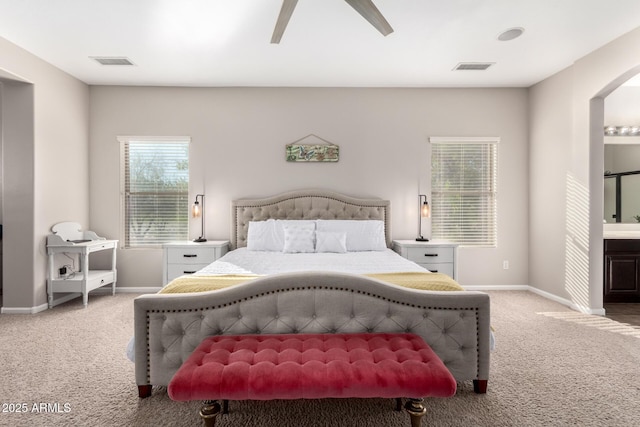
column 129, row 290
column 568, row 303
column 153, row 290
column 572, row 305
column 497, row 288
column 24, row 310
column 138, row 290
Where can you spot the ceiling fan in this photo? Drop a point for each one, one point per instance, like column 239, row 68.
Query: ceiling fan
column 366, row 8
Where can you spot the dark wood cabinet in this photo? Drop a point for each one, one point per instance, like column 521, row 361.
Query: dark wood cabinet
column 621, row 270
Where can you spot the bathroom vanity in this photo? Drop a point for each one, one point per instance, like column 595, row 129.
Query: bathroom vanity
column 621, row 265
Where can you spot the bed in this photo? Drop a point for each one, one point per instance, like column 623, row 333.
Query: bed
column 300, row 291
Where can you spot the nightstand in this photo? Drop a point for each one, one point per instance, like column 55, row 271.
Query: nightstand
column 435, row 256
column 185, row 257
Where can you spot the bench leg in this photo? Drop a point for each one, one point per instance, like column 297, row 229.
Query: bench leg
column 225, row 406
column 416, row 410
column 398, row 404
column 144, row 390
column 480, row 386
column 209, row 411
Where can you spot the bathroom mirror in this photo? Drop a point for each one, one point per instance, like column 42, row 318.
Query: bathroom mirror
column 622, row 155
column 622, row 182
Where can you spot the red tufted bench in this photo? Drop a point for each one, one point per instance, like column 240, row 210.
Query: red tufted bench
column 311, row 366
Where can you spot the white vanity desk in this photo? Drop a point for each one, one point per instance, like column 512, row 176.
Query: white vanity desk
column 69, row 239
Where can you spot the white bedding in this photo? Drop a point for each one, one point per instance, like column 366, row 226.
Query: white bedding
column 244, row 261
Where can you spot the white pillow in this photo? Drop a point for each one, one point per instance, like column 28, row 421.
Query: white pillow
column 269, row 235
column 362, row 235
column 263, row 236
column 299, row 238
column 331, row 241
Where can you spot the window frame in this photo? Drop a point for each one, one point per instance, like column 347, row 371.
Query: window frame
column 123, row 141
column 490, row 238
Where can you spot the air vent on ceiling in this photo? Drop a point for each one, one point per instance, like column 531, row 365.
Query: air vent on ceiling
column 473, row 66
column 112, row 60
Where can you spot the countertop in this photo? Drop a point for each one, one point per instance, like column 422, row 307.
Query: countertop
column 621, row 231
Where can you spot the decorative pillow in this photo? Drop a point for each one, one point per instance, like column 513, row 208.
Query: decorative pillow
column 269, row 235
column 331, row 241
column 362, row 235
column 264, row 236
column 299, row 238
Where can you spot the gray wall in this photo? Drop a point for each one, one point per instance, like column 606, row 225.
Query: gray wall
column 45, row 168
column 566, row 165
column 238, row 144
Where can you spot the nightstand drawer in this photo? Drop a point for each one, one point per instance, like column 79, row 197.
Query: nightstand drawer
column 445, row 268
column 181, row 258
column 190, row 256
column 422, row 255
column 177, row 270
column 438, row 256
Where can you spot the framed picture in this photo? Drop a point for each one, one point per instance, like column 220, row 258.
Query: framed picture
column 312, row 152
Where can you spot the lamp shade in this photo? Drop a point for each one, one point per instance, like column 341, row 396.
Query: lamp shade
column 425, row 212
column 197, row 211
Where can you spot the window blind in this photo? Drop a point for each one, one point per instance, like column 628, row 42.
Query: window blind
column 155, row 192
column 463, row 191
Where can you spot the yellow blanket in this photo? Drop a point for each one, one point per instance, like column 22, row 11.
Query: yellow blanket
column 415, row 280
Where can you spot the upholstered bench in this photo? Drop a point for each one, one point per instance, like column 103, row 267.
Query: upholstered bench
column 311, row 366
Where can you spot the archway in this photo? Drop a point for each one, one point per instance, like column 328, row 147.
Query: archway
column 596, row 155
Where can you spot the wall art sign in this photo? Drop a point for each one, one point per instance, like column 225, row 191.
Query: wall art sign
column 312, row 153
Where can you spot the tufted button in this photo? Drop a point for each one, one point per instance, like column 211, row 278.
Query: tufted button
column 353, row 315
column 184, row 332
column 276, row 316
column 202, row 316
column 164, row 317
column 388, row 315
column 332, row 330
column 425, row 315
column 239, row 316
column 369, row 330
column 408, row 330
column 461, row 315
column 294, row 331
column 257, row 331
column 314, row 315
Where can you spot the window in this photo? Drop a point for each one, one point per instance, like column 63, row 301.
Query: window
column 154, row 190
column 463, row 190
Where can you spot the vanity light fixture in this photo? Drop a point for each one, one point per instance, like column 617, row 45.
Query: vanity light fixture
column 623, row 130
column 425, row 212
column 198, row 211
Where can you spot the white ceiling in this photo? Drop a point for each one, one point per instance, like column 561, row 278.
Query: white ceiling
column 327, row 43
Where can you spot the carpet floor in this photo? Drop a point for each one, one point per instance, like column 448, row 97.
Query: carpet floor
column 551, row 367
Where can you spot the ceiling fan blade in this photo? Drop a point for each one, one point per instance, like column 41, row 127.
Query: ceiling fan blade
column 370, row 12
column 283, row 19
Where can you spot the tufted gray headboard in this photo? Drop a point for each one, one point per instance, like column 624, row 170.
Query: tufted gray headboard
column 305, row 204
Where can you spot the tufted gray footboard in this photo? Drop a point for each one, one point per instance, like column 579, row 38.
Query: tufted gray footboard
column 169, row 326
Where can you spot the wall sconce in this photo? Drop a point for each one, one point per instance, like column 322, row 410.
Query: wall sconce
column 197, row 210
column 425, row 212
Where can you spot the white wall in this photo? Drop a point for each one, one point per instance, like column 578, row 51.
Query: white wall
column 566, row 169
column 45, row 170
column 238, row 145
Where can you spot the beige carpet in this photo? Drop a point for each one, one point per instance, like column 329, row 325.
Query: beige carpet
column 67, row 367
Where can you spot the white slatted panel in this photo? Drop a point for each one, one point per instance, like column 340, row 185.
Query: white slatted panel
column 155, row 192
column 463, row 190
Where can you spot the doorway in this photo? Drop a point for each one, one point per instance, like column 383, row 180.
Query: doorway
column 617, row 104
